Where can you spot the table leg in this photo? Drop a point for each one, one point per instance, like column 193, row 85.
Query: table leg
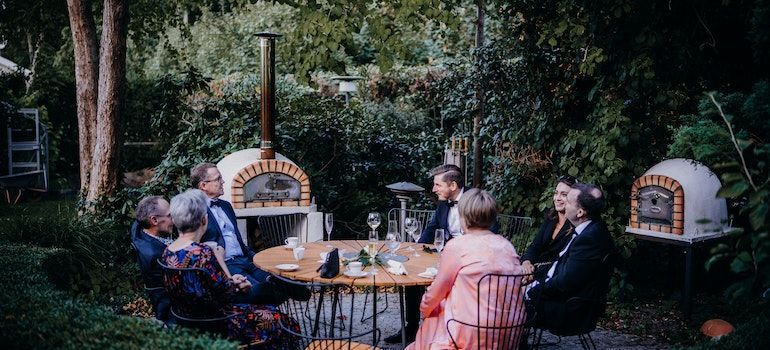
column 687, row 295
column 401, row 308
column 374, row 313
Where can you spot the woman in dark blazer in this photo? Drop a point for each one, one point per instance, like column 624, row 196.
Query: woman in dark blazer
column 554, row 233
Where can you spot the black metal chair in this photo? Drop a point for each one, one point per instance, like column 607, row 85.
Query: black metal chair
column 583, row 322
column 517, row 229
column 192, row 299
column 322, row 318
column 501, row 315
column 275, row 228
column 156, row 294
column 423, row 216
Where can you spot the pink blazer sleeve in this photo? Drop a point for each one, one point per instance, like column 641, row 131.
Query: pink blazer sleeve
column 449, row 266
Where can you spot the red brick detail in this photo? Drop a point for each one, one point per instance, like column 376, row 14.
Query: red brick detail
column 678, row 209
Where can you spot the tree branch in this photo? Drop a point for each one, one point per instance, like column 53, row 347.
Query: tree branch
column 735, row 141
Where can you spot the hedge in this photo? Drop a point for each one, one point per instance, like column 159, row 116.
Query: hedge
column 34, row 315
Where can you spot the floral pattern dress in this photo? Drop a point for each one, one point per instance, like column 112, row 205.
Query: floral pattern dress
column 251, row 323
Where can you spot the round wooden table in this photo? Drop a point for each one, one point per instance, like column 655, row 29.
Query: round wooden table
column 269, row 258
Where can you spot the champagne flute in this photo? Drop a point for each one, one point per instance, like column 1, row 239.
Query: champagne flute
column 439, row 242
column 328, row 224
column 372, row 248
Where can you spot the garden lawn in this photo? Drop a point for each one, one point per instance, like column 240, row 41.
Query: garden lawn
column 34, row 315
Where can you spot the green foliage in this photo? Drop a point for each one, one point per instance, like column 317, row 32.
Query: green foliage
column 745, row 177
column 36, row 316
column 350, row 153
column 93, row 259
column 329, row 35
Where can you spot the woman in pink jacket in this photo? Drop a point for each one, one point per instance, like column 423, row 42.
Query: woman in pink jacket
column 453, row 293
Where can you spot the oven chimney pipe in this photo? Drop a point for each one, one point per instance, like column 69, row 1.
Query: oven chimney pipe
column 268, row 111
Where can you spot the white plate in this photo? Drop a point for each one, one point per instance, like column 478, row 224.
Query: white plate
column 355, row 275
column 289, row 248
column 426, row 275
column 287, row 267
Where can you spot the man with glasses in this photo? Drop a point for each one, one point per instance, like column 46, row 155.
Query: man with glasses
column 223, row 231
column 582, row 269
column 149, row 234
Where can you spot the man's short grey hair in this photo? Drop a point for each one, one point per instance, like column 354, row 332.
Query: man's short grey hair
column 188, row 210
column 199, row 172
column 147, row 208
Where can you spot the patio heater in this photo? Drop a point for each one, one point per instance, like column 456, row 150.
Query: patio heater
column 403, row 192
column 347, row 85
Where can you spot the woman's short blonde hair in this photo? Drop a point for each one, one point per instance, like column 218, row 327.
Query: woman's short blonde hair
column 478, row 209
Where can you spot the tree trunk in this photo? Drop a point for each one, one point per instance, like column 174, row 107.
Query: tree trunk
column 100, row 72
column 477, row 155
column 112, row 73
column 86, row 70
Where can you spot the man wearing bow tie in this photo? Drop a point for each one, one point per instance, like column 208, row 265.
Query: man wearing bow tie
column 448, row 185
column 223, row 230
column 583, row 268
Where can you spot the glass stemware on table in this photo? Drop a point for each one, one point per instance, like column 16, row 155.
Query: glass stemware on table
column 438, row 242
column 412, row 226
column 328, row 224
column 393, row 239
column 374, row 221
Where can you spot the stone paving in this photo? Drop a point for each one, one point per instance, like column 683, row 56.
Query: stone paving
column 388, row 322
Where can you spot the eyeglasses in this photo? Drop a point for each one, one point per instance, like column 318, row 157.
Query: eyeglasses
column 218, row 178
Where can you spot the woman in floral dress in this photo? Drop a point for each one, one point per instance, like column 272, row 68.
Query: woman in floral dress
column 251, row 324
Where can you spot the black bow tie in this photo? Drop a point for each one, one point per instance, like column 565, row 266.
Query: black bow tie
column 451, row 203
column 215, row 203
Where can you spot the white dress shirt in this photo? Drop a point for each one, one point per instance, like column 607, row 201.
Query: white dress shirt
column 232, row 247
column 453, row 218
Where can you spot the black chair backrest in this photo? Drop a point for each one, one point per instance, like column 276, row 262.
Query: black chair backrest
column 192, row 294
column 518, row 230
column 501, row 316
column 399, row 215
column 275, row 228
column 326, row 319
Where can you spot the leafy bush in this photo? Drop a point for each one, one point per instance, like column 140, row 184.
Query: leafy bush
column 350, row 152
column 94, row 258
column 35, row 316
column 744, row 167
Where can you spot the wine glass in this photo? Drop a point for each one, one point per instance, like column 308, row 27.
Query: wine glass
column 439, row 240
column 412, row 226
column 373, row 220
column 328, row 224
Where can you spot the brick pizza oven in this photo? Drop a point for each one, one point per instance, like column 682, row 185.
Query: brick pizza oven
column 677, row 199
column 265, row 187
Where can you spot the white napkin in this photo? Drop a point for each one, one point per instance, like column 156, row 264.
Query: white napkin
column 396, row 268
column 429, row 273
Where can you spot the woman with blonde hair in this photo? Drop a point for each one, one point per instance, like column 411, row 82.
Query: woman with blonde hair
column 453, row 293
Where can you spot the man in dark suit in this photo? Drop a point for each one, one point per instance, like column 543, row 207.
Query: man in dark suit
column 153, row 221
column 581, row 269
column 448, row 185
column 223, row 230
